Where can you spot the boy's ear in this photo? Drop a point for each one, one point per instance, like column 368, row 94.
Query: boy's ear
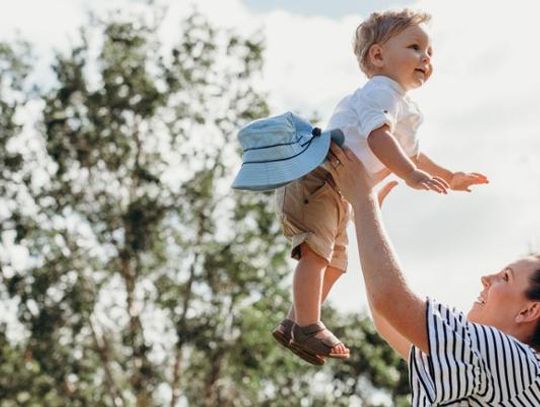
column 530, row 313
column 375, row 54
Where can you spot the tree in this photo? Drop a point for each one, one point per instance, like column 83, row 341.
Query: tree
column 149, row 281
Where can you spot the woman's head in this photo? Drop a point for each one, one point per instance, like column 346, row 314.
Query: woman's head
column 510, row 300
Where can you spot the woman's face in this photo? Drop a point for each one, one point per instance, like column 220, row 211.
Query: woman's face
column 503, row 296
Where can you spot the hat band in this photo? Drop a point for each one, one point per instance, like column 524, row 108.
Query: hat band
column 316, row 132
column 305, row 147
column 275, row 145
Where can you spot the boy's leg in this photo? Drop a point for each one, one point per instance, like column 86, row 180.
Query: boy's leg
column 307, row 286
column 307, row 289
column 301, row 207
column 331, row 275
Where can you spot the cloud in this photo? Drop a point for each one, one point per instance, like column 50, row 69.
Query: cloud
column 309, row 62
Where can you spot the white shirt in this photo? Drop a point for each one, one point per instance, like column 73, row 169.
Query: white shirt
column 471, row 364
column 380, row 101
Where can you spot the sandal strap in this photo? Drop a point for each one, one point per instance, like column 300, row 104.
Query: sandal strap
column 311, row 330
column 315, row 332
column 287, row 323
column 285, row 326
column 329, row 339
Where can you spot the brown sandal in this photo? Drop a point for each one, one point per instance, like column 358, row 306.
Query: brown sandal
column 282, row 334
column 315, row 340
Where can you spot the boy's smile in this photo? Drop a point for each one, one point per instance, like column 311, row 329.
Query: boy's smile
column 405, row 58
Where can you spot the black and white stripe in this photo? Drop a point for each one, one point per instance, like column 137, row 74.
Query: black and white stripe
column 472, row 365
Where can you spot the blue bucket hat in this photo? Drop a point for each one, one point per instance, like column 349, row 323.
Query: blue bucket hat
column 280, row 149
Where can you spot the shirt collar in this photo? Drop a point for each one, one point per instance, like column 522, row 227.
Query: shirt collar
column 390, row 82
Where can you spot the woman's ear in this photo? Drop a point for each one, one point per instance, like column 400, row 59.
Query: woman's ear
column 529, row 314
column 375, row 55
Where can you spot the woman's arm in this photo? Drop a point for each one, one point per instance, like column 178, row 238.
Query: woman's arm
column 387, row 291
column 396, row 341
column 400, row 344
column 386, row 288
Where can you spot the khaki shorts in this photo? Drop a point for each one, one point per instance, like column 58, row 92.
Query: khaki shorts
column 312, row 211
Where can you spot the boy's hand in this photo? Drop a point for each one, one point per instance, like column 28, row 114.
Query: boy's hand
column 419, row 179
column 461, row 181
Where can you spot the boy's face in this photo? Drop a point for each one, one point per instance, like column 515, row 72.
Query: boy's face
column 406, row 57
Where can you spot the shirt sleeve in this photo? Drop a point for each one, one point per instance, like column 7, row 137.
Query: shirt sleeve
column 377, row 108
column 468, row 360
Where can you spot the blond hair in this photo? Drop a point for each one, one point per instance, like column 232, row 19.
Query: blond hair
column 379, row 27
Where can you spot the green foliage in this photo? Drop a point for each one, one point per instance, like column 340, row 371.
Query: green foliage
column 148, row 280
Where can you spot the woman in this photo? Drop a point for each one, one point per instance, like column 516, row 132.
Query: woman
column 487, row 358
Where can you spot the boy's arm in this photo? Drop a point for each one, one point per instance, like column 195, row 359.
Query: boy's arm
column 389, row 152
column 427, row 164
column 458, row 181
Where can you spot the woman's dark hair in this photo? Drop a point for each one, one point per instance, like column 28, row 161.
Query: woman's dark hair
column 533, row 293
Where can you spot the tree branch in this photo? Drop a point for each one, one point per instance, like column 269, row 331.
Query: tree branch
column 103, row 352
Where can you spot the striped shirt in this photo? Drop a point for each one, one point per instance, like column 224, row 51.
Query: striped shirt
column 471, row 364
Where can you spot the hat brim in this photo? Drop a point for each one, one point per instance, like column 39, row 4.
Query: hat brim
column 264, row 176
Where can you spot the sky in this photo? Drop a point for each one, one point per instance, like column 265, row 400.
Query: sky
column 481, row 113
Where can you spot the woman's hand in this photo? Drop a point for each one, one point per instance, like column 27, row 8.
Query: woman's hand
column 350, row 168
column 349, row 173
